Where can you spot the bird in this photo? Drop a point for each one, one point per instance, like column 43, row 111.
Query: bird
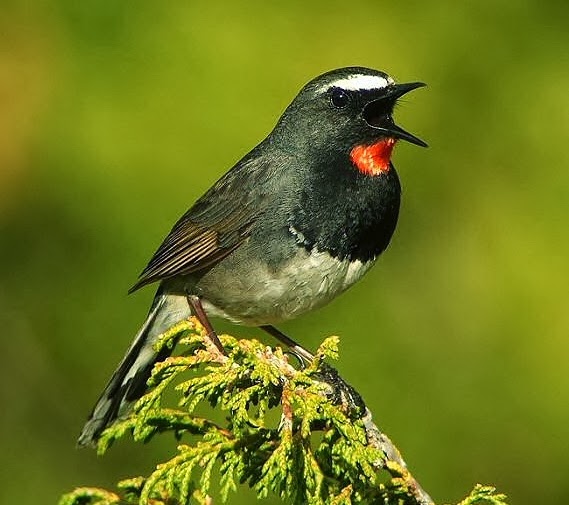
column 298, row 220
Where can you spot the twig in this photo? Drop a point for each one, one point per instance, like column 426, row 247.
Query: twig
column 344, row 394
column 380, row 440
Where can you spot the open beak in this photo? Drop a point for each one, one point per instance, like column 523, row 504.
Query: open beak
column 377, row 113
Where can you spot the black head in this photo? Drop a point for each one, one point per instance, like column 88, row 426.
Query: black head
column 345, row 108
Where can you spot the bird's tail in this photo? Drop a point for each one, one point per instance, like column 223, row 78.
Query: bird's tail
column 128, row 383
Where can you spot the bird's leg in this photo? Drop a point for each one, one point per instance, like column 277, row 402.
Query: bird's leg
column 197, row 308
column 341, row 392
column 300, row 352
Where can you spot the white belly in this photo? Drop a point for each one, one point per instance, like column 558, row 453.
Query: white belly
column 307, row 281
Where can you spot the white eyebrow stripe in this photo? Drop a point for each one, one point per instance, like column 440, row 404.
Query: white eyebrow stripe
column 358, row 82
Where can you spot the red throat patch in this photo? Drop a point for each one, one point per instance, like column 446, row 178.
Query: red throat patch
column 373, row 159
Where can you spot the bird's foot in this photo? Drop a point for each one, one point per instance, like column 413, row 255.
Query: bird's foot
column 340, row 392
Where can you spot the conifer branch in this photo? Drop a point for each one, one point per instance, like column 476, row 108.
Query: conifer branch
column 304, row 435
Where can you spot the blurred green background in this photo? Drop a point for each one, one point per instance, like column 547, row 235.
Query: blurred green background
column 115, row 116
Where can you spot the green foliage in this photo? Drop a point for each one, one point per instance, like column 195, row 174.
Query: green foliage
column 90, row 495
column 286, row 432
column 484, row 495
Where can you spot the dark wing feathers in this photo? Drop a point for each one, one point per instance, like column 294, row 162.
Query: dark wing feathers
column 214, row 227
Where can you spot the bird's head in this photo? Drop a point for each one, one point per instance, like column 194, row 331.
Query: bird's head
column 349, row 110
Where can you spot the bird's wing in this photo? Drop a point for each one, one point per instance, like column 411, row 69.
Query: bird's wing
column 215, row 226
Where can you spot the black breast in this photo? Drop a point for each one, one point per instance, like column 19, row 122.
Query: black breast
column 350, row 215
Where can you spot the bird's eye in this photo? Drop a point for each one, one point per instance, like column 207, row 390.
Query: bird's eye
column 339, row 98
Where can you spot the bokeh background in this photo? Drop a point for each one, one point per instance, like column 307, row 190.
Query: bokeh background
column 116, row 116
